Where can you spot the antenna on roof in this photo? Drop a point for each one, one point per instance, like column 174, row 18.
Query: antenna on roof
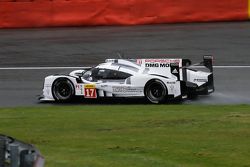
column 120, row 55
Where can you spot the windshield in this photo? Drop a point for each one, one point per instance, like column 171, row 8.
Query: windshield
column 96, row 74
column 88, row 75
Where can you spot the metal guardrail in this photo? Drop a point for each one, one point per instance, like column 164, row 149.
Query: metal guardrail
column 15, row 153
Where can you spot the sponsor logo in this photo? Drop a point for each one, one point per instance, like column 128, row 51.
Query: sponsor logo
column 104, row 86
column 79, row 87
column 86, row 86
column 200, row 80
column 175, row 71
column 162, row 61
column 123, row 89
column 157, row 65
column 172, row 87
column 139, row 61
column 175, row 64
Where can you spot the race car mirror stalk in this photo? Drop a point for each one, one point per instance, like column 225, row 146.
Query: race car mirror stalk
column 157, row 80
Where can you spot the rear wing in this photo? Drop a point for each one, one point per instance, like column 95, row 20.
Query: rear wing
column 208, row 62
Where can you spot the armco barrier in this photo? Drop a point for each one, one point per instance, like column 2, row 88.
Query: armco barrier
column 47, row 13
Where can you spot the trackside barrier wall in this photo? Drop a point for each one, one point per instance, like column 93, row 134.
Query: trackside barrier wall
column 49, row 13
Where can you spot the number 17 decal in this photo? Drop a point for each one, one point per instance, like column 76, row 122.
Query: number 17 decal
column 90, row 91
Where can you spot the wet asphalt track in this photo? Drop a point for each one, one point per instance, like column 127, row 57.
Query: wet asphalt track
column 56, row 47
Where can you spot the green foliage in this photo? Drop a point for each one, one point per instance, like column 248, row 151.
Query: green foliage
column 134, row 135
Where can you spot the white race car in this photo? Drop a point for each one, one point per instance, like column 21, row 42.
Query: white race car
column 156, row 80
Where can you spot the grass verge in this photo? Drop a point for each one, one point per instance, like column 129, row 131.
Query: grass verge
column 134, row 135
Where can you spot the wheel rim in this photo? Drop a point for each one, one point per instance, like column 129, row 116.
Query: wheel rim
column 62, row 90
column 156, row 92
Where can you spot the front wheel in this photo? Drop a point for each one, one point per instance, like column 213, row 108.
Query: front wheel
column 63, row 90
column 155, row 91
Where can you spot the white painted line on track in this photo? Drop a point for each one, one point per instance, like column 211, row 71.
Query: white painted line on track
column 231, row 66
column 222, row 66
column 55, row 68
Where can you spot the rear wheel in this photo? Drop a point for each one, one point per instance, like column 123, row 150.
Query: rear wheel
column 63, row 90
column 155, row 91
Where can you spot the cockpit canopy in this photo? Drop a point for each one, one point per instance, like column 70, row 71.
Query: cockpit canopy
column 96, row 74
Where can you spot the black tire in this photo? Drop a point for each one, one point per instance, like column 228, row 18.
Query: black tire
column 2, row 151
column 155, row 91
column 63, row 90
